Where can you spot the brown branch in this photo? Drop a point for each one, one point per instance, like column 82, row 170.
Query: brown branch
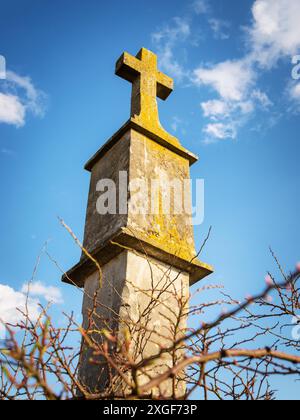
column 253, row 354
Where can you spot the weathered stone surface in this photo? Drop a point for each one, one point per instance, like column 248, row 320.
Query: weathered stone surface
column 142, row 158
column 98, row 229
column 109, row 301
column 166, row 230
column 131, row 300
column 124, row 239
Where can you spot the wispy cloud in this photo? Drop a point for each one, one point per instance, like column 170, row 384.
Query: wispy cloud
column 201, row 7
column 220, row 28
column 219, row 131
column 12, row 110
column 170, row 37
column 166, row 40
column 273, row 35
column 18, row 98
column 2, row 67
column 14, row 304
column 238, row 97
column 50, row 293
column 293, row 92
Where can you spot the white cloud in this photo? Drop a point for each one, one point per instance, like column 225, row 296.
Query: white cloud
column 275, row 32
column 215, row 108
column 273, row 35
column 35, row 99
column 166, row 41
column 12, row 303
column 220, row 131
column 231, row 79
column 12, row 111
column 2, row 67
column 234, row 82
column 295, row 92
column 219, row 109
column 18, row 98
column 49, row 293
column 226, row 117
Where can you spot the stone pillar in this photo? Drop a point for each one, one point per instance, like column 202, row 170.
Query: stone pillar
column 147, row 255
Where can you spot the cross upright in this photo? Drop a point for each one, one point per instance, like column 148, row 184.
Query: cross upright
column 148, row 84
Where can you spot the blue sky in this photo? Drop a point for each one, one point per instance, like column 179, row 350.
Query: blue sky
column 235, row 104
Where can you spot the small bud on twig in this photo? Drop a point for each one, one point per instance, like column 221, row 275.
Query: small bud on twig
column 269, row 280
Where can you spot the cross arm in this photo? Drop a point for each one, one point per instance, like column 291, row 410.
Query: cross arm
column 128, row 67
column 165, row 85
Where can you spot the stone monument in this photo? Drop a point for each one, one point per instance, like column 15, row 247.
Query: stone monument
column 147, row 257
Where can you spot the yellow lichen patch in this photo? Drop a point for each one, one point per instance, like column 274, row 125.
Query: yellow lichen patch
column 163, row 226
column 166, row 234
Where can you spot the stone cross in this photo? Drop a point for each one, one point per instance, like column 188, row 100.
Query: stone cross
column 148, row 259
column 148, row 83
